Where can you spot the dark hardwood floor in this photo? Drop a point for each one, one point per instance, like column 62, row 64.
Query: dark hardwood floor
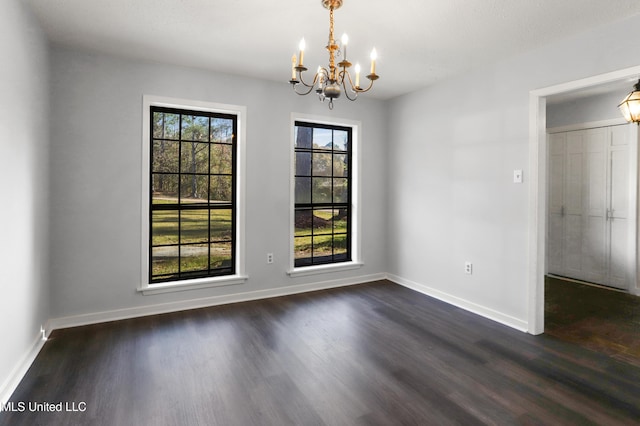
column 373, row 354
column 594, row 317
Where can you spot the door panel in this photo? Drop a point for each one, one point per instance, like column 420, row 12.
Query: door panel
column 555, row 229
column 588, row 205
column 618, row 258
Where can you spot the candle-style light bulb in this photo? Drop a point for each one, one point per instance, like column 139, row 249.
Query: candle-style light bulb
column 374, row 56
column 345, row 41
column 302, row 47
column 357, row 75
column 293, row 67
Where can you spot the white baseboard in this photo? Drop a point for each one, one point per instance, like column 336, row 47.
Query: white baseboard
column 11, row 383
column 120, row 314
column 483, row 311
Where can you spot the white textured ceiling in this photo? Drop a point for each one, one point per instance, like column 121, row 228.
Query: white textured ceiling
column 418, row 41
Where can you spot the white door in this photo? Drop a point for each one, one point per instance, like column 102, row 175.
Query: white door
column 618, row 223
column 573, row 207
column 588, row 205
column 594, row 244
column 555, row 223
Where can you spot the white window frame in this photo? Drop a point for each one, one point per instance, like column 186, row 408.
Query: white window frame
column 356, row 259
column 239, row 277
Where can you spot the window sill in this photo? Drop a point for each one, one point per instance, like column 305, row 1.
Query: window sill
column 174, row 286
column 324, row 269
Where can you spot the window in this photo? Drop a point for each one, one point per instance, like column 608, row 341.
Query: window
column 192, row 194
column 322, row 194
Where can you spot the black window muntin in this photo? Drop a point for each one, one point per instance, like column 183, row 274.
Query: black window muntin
column 305, row 209
column 209, row 207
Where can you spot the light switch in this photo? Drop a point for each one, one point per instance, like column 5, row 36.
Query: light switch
column 517, row 176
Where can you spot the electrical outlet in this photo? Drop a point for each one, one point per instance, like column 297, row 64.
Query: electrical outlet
column 43, row 332
column 517, row 176
column 269, row 257
column 468, row 268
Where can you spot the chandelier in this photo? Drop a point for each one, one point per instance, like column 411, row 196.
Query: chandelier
column 630, row 106
column 330, row 82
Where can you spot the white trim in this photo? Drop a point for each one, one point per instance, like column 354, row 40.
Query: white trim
column 15, row 377
column 239, row 277
column 356, row 214
column 193, row 284
column 633, row 263
column 483, row 311
column 162, row 308
column 588, row 125
column 538, row 181
column 323, row 269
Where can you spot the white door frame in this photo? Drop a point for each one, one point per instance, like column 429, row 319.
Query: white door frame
column 538, row 184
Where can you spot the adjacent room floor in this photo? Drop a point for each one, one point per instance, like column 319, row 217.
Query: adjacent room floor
column 594, row 317
column 372, row 354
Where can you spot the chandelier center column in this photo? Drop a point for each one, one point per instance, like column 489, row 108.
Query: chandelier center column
column 332, row 47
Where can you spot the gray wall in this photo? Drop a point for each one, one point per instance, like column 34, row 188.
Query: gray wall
column 24, row 148
column 451, row 196
column 587, row 109
column 96, row 179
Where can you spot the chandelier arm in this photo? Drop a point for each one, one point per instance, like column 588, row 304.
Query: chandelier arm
column 302, row 93
column 361, row 90
column 344, row 75
column 315, row 78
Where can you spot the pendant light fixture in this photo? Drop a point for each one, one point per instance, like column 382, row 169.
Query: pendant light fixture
column 630, row 106
column 329, row 82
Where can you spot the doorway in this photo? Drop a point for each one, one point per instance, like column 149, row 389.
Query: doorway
column 590, row 179
column 538, row 184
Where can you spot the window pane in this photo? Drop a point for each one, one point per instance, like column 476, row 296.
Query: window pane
column 222, row 130
column 340, row 244
column 302, row 247
column 321, row 164
column 322, row 223
column 303, row 137
column 165, row 125
column 303, row 221
column 340, row 220
column 164, row 189
column 195, row 128
column 322, row 246
column 303, row 163
column 165, row 156
column 164, row 228
column 221, row 256
column 221, row 225
column 194, row 226
column 340, row 165
column 321, row 190
column 164, row 260
column 221, row 189
column 195, row 157
column 193, row 188
column 322, row 138
column 340, row 190
column 303, row 190
column 340, row 140
column 221, row 159
column 194, row 257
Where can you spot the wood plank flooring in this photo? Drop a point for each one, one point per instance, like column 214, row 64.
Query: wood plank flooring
column 594, row 317
column 373, row 354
